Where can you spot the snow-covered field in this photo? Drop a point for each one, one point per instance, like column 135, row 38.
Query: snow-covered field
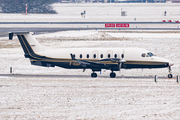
column 87, row 98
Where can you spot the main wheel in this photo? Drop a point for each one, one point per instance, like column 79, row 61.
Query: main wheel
column 93, row 75
column 170, row 75
column 112, row 75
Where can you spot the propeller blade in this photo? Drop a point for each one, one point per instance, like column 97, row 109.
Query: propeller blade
column 169, row 69
column 122, row 56
column 121, row 61
column 120, row 66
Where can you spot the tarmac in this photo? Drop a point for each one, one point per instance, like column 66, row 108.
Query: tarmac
column 81, row 76
column 4, row 31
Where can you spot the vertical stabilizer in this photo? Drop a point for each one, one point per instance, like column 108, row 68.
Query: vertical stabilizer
column 29, row 44
column 34, row 44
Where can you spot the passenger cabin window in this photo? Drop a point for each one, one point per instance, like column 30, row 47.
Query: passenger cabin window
column 101, row 55
column 109, row 55
column 115, row 56
column 87, row 56
column 94, row 55
column 80, row 55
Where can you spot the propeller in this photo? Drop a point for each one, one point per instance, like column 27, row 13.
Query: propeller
column 120, row 63
column 121, row 60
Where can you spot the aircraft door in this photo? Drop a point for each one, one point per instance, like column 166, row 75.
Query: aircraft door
column 109, row 54
column 95, row 54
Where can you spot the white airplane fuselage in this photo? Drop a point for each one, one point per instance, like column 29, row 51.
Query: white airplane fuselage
column 133, row 56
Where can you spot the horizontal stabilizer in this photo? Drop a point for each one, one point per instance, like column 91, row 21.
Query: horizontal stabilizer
column 17, row 33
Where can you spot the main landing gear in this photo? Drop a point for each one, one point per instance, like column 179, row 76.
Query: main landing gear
column 93, row 75
column 170, row 75
column 112, row 75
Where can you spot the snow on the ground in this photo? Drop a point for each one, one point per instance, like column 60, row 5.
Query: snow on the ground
column 68, row 34
column 146, row 35
column 87, row 98
column 117, row 34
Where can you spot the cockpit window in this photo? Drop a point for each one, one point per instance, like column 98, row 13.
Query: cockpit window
column 143, row 55
column 150, row 54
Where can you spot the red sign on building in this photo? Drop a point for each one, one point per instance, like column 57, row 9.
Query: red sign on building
column 122, row 25
column 109, row 24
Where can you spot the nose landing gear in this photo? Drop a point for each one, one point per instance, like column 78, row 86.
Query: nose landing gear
column 170, row 73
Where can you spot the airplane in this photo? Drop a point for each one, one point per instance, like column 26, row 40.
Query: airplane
column 96, row 59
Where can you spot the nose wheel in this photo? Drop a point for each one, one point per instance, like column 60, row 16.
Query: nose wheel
column 170, row 73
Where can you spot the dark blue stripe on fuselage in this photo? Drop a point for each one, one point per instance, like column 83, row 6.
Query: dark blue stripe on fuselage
column 27, row 44
column 23, row 44
column 114, row 67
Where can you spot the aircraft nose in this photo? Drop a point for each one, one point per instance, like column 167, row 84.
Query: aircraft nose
column 171, row 63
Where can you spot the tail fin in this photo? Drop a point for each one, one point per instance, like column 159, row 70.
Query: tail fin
column 29, row 44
